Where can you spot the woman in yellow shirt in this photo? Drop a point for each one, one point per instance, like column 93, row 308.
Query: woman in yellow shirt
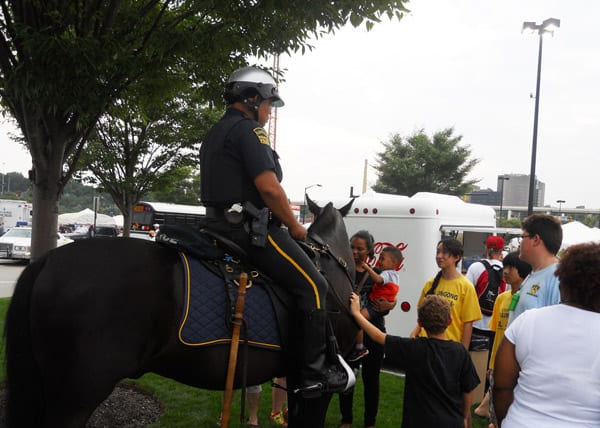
column 451, row 285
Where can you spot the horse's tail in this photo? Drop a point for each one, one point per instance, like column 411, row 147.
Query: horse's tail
column 24, row 405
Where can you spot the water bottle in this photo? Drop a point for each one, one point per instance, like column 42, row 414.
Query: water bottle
column 514, row 301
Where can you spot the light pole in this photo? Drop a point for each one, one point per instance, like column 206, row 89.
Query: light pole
column 306, row 201
column 548, row 26
column 2, row 188
column 502, row 179
column 560, row 202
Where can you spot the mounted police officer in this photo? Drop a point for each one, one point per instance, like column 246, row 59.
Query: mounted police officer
column 240, row 187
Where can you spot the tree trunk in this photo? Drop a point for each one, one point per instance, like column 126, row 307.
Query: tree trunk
column 125, row 202
column 45, row 218
column 127, row 220
column 47, row 188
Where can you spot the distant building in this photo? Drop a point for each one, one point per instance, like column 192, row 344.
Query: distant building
column 516, row 190
column 484, row 197
column 514, row 194
column 515, row 197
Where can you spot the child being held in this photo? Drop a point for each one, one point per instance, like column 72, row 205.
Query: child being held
column 385, row 287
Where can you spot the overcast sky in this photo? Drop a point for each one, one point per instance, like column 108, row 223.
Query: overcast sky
column 448, row 63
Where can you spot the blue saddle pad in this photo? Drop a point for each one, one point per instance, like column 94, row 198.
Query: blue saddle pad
column 207, row 310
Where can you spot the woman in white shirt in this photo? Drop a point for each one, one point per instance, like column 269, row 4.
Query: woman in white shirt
column 547, row 369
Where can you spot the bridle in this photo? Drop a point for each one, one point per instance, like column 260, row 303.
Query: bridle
column 321, row 248
column 318, row 248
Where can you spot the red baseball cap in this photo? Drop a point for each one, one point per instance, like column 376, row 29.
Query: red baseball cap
column 494, row 242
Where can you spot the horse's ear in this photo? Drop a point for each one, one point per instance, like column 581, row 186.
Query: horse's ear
column 346, row 208
column 313, row 207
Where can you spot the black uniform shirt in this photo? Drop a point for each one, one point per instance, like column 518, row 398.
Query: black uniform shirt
column 235, row 151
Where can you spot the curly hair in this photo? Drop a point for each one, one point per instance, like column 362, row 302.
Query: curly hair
column 434, row 314
column 579, row 274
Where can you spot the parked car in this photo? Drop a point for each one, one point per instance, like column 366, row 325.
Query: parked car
column 106, row 231
column 16, row 243
column 79, row 232
column 87, row 231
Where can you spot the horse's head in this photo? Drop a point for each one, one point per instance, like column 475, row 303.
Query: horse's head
column 328, row 238
column 329, row 226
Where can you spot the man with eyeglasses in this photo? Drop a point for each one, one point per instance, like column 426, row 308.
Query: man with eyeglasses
column 541, row 240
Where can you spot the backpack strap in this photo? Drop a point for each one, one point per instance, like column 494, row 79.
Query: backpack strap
column 486, row 264
column 493, row 268
column 489, row 292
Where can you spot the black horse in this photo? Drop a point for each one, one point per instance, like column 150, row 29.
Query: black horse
column 93, row 312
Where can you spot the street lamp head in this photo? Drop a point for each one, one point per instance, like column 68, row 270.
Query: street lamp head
column 312, row 185
column 547, row 26
column 529, row 27
column 550, row 24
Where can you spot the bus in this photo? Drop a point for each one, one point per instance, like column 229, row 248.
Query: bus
column 146, row 214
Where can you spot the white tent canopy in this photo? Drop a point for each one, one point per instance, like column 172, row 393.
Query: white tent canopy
column 575, row 232
column 118, row 220
column 86, row 216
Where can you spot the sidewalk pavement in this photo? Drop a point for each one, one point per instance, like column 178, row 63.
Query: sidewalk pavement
column 6, row 288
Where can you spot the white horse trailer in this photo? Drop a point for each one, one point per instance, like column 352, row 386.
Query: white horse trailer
column 415, row 225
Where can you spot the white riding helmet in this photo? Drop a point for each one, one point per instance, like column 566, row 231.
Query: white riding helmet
column 247, row 81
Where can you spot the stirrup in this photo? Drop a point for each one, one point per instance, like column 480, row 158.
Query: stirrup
column 312, row 391
column 349, row 372
column 317, row 389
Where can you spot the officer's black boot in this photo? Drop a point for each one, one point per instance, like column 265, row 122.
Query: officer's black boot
column 320, row 374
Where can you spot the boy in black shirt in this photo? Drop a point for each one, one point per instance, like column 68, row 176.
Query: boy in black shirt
column 440, row 376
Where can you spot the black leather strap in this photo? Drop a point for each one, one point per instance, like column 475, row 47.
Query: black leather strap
column 214, row 212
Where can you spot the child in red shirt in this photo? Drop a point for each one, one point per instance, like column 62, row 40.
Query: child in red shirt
column 385, row 287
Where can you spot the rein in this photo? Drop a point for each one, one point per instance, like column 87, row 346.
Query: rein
column 320, row 248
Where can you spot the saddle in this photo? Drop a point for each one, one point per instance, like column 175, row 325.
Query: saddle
column 212, row 266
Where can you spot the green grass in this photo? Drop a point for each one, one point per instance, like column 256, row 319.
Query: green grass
column 185, row 406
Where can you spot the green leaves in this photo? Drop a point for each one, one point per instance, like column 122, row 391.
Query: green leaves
column 63, row 64
column 422, row 164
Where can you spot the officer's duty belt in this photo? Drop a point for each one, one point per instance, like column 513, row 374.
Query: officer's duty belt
column 214, row 212
column 231, row 215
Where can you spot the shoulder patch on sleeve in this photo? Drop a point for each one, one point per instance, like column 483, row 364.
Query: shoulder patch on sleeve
column 262, row 135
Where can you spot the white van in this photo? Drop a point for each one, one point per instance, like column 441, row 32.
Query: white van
column 15, row 213
column 415, row 225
